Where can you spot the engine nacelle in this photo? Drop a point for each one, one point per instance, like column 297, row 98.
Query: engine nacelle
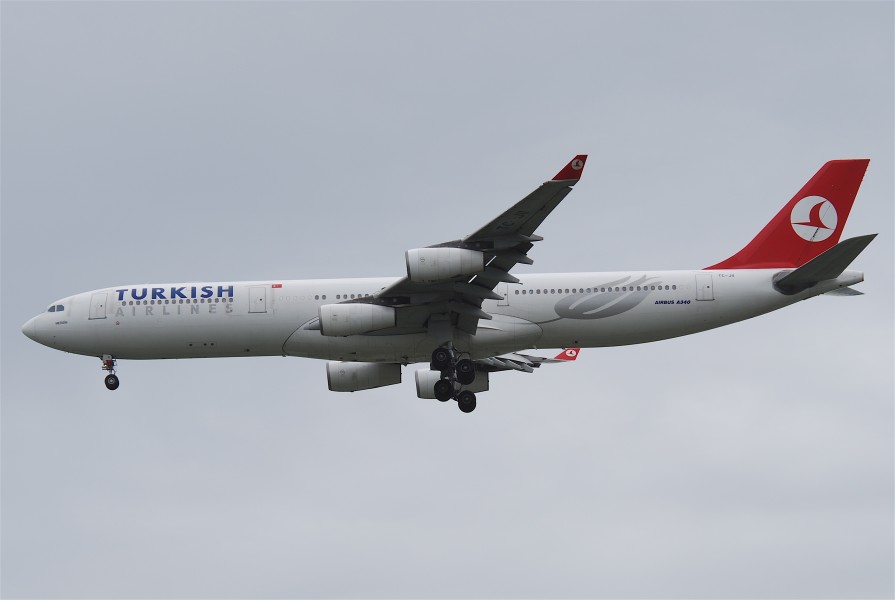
column 426, row 265
column 354, row 319
column 425, row 383
column 356, row 376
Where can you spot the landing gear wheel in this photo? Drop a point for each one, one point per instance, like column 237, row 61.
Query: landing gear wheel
column 443, row 390
column 466, row 401
column 441, row 359
column 465, row 371
column 111, row 379
column 112, row 382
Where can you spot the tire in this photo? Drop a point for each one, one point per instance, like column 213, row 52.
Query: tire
column 441, row 359
column 111, row 382
column 466, row 401
column 465, row 371
column 443, row 390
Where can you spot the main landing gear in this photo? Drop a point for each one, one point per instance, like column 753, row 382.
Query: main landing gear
column 111, row 379
column 454, row 374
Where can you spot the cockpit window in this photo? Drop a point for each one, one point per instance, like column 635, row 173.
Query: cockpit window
column 59, row 308
column 51, row 309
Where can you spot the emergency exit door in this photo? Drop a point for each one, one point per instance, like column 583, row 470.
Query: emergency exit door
column 504, row 290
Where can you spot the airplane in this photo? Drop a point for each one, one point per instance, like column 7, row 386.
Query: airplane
column 459, row 308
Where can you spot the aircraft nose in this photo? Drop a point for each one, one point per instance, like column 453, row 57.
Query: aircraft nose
column 30, row 329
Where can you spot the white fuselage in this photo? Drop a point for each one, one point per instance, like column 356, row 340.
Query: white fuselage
column 267, row 318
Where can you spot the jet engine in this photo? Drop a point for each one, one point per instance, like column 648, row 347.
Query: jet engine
column 427, row 265
column 356, row 376
column 425, row 383
column 354, row 319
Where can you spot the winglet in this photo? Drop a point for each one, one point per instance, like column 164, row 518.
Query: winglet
column 568, row 354
column 573, row 170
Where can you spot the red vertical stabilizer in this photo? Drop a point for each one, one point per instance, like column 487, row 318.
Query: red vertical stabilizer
column 810, row 224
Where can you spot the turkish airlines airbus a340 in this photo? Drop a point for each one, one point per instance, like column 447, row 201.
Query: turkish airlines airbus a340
column 459, row 308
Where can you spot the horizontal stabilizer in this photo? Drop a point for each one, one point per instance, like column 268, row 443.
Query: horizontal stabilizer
column 846, row 291
column 828, row 265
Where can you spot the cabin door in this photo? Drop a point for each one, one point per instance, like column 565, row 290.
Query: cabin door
column 704, row 289
column 258, row 299
column 98, row 305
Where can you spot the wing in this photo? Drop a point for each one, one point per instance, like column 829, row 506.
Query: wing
column 503, row 243
column 523, row 362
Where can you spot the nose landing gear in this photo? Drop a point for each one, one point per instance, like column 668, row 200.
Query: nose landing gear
column 111, row 379
column 112, row 382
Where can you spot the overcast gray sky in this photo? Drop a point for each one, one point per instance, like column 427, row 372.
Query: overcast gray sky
column 225, row 141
